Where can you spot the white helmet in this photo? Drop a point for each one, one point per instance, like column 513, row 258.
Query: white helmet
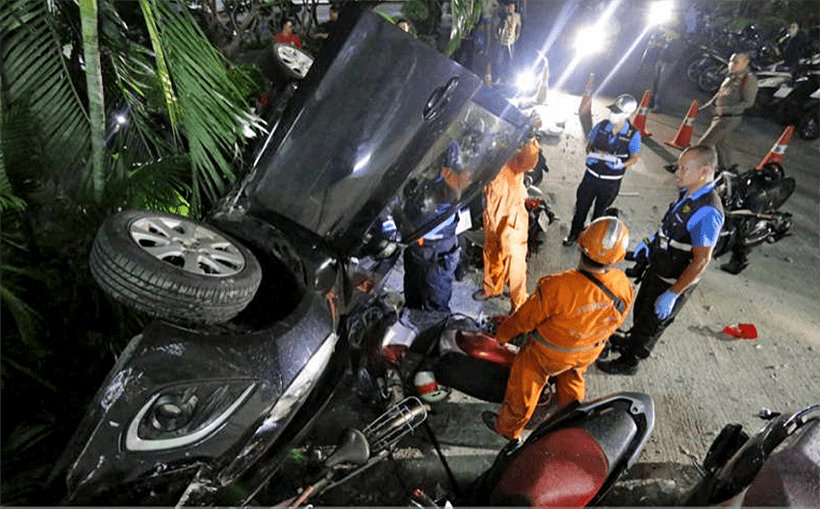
column 428, row 389
column 624, row 104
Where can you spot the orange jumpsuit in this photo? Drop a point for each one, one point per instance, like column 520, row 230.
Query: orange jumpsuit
column 505, row 227
column 571, row 319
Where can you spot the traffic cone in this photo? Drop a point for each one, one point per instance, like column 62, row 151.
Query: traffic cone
column 684, row 133
column 488, row 76
column 776, row 153
column 585, row 108
column 640, row 119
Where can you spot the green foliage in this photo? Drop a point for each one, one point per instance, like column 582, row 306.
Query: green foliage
column 415, row 10
column 466, row 14
column 248, row 81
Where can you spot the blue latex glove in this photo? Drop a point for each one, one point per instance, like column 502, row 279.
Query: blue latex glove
column 616, row 165
column 664, row 304
column 642, row 249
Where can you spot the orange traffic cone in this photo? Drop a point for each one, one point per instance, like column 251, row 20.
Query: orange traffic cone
column 640, row 119
column 776, row 153
column 488, row 76
column 684, row 133
column 585, row 108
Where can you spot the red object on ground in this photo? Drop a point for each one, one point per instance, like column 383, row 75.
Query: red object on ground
column 741, row 331
column 684, row 133
column 779, row 148
column 640, row 119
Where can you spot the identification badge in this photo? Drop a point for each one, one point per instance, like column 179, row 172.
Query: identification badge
column 663, row 244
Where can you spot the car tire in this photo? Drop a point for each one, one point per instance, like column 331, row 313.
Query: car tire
column 292, row 62
column 173, row 267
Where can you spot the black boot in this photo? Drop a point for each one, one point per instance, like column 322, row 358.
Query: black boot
column 735, row 266
column 570, row 239
column 623, row 365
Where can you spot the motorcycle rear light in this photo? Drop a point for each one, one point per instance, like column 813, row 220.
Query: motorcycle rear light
column 181, row 415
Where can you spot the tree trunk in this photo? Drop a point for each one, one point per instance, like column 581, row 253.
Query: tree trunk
column 96, row 100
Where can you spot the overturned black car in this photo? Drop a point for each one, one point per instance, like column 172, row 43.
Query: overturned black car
column 253, row 304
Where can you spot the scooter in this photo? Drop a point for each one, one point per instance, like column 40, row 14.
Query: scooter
column 778, row 466
column 571, row 460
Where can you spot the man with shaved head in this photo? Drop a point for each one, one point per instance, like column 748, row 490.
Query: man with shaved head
column 678, row 255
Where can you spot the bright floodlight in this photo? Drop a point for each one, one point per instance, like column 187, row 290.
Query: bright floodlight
column 660, row 12
column 525, row 81
column 120, row 119
column 587, row 41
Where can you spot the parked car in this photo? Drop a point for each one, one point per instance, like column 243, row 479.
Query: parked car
column 254, row 304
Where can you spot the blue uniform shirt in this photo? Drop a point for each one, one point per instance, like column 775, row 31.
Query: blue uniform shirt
column 705, row 224
column 634, row 142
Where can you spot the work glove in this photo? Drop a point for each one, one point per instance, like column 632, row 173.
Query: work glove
column 664, row 304
column 642, row 249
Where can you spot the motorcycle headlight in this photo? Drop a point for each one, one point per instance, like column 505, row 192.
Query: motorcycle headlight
column 526, row 82
column 186, row 413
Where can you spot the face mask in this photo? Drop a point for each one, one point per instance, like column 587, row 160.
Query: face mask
column 616, row 118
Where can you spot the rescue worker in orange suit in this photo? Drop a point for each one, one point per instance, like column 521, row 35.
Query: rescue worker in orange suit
column 505, row 229
column 566, row 323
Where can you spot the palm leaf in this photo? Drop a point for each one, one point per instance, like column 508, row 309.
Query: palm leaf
column 35, row 74
column 209, row 103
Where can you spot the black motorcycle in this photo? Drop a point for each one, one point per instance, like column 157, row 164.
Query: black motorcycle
column 750, row 204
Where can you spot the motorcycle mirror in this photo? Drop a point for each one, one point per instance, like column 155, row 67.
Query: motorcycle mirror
column 352, row 448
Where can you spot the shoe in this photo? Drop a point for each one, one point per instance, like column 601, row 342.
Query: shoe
column 620, row 366
column 671, row 168
column 480, row 296
column 489, row 419
column 734, row 267
column 570, row 240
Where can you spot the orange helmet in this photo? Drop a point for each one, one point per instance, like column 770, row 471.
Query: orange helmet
column 525, row 159
column 604, row 240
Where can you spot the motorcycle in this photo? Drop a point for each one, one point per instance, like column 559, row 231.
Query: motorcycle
column 258, row 308
column 750, row 202
column 778, row 466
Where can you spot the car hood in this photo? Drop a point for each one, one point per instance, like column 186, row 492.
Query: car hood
column 368, row 135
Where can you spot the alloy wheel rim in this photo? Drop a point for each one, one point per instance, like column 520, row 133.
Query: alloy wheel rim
column 187, row 245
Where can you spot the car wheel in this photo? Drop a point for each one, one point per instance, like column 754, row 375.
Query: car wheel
column 173, row 267
column 293, row 62
column 809, row 126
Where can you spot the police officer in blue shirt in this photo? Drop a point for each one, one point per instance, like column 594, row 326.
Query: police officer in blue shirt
column 430, row 263
column 614, row 145
column 678, row 254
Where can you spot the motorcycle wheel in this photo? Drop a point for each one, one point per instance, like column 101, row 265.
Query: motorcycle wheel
column 710, row 79
column 809, row 126
column 696, row 67
column 173, row 267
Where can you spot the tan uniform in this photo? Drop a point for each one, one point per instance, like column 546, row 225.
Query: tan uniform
column 736, row 94
column 568, row 319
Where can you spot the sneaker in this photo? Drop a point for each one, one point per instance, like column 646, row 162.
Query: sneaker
column 734, row 267
column 570, row 240
column 620, row 366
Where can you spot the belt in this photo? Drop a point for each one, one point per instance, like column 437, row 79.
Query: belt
column 535, row 335
column 606, row 177
column 731, row 116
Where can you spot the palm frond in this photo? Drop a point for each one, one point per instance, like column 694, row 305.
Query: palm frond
column 35, row 74
column 210, row 105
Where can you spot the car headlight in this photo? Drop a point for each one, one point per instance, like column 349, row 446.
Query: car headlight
column 186, row 413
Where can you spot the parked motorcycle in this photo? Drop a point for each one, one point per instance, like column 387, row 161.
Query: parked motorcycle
column 257, row 306
column 778, row 466
column 750, row 205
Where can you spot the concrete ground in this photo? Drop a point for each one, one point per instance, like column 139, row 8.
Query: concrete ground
column 699, row 378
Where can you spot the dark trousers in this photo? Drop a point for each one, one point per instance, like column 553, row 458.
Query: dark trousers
column 429, row 271
column 647, row 328
column 592, row 189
